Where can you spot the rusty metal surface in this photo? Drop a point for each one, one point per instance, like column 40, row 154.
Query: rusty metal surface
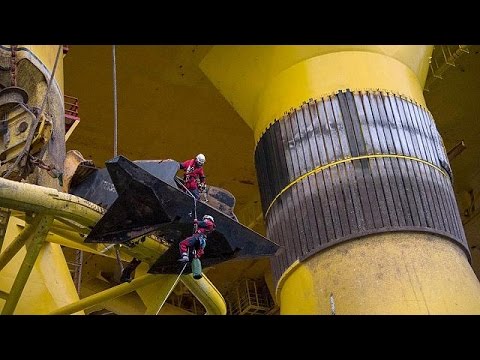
column 32, row 76
column 10, row 97
column 76, row 169
column 97, row 186
column 360, row 197
column 83, row 179
column 13, row 65
column 145, row 203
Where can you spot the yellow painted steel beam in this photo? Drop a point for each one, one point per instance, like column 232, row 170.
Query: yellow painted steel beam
column 169, row 309
column 206, row 293
column 147, row 251
column 19, row 241
column 27, row 265
column 154, row 295
column 128, row 304
column 55, row 274
column 39, row 199
column 49, row 285
column 33, row 198
column 70, row 131
column 107, row 295
column 61, row 223
column 3, row 295
column 4, row 217
column 73, row 240
column 202, row 289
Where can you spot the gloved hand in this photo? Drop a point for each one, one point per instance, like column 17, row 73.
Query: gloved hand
column 199, row 252
column 195, row 221
column 202, row 187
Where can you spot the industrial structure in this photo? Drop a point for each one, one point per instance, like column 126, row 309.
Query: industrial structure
column 360, row 162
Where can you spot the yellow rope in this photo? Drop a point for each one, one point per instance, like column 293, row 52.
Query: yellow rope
column 323, row 167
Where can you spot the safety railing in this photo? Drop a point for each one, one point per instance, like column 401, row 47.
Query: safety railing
column 71, row 114
column 250, row 297
column 444, row 57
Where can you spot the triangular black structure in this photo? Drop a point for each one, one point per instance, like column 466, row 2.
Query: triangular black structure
column 147, row 203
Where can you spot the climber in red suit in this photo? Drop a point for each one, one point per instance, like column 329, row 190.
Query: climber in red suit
column 198, row 240
column 194, row 177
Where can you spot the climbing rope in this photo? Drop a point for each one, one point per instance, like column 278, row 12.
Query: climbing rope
column 115, row 122
column 115, row 131
column 171, row 289
column 193, row 197
column 50, row 82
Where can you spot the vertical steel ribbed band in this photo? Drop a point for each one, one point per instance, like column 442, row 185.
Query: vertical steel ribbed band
column 400, row 183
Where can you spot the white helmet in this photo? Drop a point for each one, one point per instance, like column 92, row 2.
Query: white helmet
column 200, row 158
column 209, row 217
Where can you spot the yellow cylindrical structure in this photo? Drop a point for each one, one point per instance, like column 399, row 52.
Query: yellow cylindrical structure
column 392, row 273
column 46, row 55
column 354, row 176
column 206, row 293
column 326, row 74
column 263, row 82
column 50, row 284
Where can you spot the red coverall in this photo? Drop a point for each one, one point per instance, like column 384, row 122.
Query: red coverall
column 199, row 239
column 193, row 171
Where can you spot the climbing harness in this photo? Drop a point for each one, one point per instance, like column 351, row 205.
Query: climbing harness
column 196, row 264
column 205, row 194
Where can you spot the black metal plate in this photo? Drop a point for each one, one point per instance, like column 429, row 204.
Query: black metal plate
column 149, row 204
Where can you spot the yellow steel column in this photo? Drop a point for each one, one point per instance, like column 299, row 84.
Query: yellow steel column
column 19, row 241
column 390, row 273
column 46, row 289
column 27, row 264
